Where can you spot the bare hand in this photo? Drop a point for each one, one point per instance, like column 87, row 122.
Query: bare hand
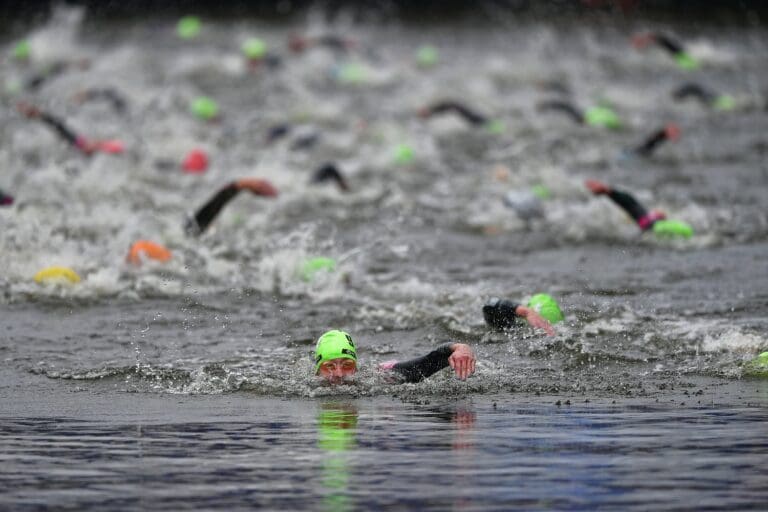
column 597, row 187
column 462, row 360
column 536, row 320
column 257, row 186
column 27, row 109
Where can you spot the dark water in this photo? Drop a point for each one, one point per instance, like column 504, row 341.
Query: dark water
column 188, row 384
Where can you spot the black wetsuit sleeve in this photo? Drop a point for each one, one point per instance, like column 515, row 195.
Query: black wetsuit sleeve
column 211, row 209
column 692, row 90
column 669, row 44
column 564, row 107
column 651, row 143
column 500, row 314
column 60, row 128
column 629, row 204
column 415, row 370
column 465, row 112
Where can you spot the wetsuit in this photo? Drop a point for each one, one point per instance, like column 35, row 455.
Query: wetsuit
column 652, row 142
column 452, row 106
column 63, row 130
column 500, row 314
column 669, row 44
column 5, row 199
column 418, row 369
column 329, row 172
column 205, row 215
column 692, row 90
column 635, row 210
column 563, row 106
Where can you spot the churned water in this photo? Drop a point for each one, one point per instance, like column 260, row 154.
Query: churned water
column 188, row 384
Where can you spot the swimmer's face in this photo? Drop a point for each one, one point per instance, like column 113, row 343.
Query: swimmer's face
column 336, row 370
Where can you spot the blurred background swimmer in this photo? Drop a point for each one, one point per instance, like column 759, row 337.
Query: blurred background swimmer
column 86, row 146
column 541, row 312
column 655, row 220
column 197, row 224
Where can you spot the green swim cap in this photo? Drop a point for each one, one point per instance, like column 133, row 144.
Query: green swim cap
column 724, row 102
column 547, row 307
column 602, row 116
column 334, row 345
column 315, row 265
column 351, row 73
column 426, row 56
column 672, row 228
column 685, row 61
column 254, row 48
column 496, row 126
column 22, row 50
column 403, row 154
column 188, row 27
column 541, row 191
column 204, row 108
column 757, row 367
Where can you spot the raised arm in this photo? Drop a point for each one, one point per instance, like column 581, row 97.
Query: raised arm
column 458, row 356
column 211, row 209
column 503, row 314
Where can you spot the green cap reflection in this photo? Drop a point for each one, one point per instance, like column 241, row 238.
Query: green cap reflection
column 336, row 436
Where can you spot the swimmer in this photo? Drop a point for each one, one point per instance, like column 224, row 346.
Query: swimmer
column 329, row 172
column 666, row 42
column 655, row 220
column 5, row 199
column 299, row 44
column 336, row 360
column 85, row 146
column 197, row 224
column 503, row 314
column 669, row 132
column 600, row 115
column 706, row 97
column 112, row 96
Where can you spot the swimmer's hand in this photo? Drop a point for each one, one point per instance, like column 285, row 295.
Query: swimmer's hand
column 462, row 360
column 535, row 319
column 28, row 110
column 597, row 187
column 257, row 186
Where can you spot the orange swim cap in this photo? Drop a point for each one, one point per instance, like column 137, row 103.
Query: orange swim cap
column 144, row 249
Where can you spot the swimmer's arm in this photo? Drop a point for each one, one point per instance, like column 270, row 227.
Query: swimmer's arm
column 563, row 106
column 669, row 44
column 534, row 319
column 210, row 210
column 458, row 356
column 628, row 203
column 624, row 199
column 58, row 125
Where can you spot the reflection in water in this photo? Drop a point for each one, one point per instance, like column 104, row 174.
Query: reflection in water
column 336, row 435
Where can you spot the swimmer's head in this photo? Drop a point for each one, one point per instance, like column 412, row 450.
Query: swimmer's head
column 335, row 356
column 672, row 229
column 547, row 307
column 254, row 48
